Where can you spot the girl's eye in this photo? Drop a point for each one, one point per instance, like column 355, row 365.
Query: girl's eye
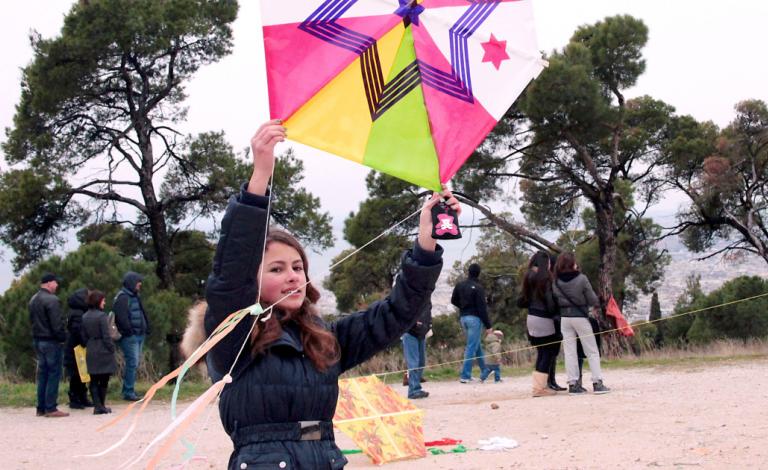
column 298, row 268
column 275, row 270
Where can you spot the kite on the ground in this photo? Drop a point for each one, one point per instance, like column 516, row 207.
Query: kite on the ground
column 407, row 87
column 385, row 425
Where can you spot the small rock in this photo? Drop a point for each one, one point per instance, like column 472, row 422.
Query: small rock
column 494, row 406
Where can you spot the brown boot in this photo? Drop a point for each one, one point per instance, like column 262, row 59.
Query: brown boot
column 540, row 388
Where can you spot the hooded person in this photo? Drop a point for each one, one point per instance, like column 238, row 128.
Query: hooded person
column 133, row 324
column 78, row 392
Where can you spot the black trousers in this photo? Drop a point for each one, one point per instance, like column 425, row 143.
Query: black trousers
column 78, row 391
column 98, row 386
column 546, row 353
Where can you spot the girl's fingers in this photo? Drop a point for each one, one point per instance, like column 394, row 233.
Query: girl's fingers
column 434, row 199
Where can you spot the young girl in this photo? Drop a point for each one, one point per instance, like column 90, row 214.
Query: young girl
column 99, row 350
column 279, row 407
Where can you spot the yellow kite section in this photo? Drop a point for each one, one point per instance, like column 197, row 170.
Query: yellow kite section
column 337, row 119
column 385, row 425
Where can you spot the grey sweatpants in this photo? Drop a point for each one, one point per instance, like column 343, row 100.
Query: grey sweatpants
column 573, row 327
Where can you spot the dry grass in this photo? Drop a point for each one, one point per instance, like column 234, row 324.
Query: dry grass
column 519, row 357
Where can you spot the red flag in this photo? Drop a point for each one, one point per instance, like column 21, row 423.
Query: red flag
column 612, row 310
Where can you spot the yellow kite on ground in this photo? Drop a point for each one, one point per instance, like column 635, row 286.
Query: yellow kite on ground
column 385, row 425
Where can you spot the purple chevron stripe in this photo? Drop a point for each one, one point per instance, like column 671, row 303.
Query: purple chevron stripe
column 402, row 84
column 460, row 32
column 338, row 36
column 382, row 96
column 322, row 24
column 331, row 10
column 444, row 81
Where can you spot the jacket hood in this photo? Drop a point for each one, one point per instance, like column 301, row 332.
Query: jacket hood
column 78, row 299
column 131, row 279
column 569, row 276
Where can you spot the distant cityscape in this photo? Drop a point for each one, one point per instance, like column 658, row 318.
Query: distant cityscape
column 714, row 273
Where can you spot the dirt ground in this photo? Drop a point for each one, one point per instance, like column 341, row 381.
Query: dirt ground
column 713, row 416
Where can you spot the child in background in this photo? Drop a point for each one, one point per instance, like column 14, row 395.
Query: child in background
column 493, row 354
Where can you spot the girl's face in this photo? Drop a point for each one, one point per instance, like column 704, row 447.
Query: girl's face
column 102, row 303
column 283, row 276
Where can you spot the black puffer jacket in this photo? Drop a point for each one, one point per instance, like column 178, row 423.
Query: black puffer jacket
column 272, row 392
column 77, row 307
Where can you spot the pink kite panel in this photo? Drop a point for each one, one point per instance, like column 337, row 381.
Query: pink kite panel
column 454, row 142
column 300, row 64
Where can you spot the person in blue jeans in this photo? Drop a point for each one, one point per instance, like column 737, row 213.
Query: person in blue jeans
column 48, row 336
column 415, row 351
column 133, row 324
column 469, row 297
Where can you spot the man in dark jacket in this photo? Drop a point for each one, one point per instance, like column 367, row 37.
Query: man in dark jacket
column 469, row 297
column 47, row 335
column 133, row 324
column 415, row 351
column 78, row 392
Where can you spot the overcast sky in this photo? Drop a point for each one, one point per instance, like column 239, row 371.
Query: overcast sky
column 702, row 57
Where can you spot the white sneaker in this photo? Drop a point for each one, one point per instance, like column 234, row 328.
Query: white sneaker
column 466, row 381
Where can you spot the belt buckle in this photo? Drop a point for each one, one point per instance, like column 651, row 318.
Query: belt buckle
column 310, row 430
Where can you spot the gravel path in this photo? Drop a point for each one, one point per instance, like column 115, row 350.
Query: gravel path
column 713, row 416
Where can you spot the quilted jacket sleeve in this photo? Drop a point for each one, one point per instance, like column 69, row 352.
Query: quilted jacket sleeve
column 232, row 283
column 365, row 333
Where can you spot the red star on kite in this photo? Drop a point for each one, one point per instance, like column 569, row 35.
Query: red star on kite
column 495, row 51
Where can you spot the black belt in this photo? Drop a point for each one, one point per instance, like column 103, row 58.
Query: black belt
column 298, row 431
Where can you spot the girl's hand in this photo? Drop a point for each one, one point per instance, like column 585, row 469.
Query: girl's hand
column 263, row 150
column 425, row 239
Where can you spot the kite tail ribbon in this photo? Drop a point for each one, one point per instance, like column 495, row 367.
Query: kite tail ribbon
column 224, row 328
column 175, row 429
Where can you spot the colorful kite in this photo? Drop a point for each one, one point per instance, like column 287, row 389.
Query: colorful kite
column 407, row 87
column 382, row 423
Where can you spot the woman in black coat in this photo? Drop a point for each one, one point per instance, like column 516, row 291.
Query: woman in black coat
column 279, row 407
column 78, row 392
column 100, row 350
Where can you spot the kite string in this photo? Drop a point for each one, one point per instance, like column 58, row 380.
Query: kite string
column 258, row 299
column 528, row 348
